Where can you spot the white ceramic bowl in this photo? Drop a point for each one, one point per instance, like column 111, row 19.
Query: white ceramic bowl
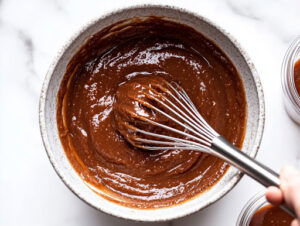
column 48, row 126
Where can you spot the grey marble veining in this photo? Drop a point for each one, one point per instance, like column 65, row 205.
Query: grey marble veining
column 244, row 10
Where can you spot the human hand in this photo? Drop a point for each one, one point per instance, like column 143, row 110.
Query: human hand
column 289, row 191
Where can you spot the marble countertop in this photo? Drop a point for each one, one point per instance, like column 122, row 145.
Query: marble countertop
column 31, row 33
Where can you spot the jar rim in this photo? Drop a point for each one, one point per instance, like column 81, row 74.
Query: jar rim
column 250, row 208
column 287, row 74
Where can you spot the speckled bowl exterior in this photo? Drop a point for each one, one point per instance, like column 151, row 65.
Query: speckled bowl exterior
column 49, row 131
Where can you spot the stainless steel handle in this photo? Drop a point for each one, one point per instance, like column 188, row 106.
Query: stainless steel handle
column 261, row 173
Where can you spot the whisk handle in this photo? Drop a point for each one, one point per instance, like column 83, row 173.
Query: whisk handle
column 225, row 150
column 261, row 173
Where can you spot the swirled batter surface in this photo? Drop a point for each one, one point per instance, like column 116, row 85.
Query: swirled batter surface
column 146, row 47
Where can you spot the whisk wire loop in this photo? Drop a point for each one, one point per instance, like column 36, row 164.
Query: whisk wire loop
column 174, row 104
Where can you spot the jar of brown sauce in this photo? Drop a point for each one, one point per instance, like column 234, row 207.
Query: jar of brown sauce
column 258, row 212
column 290, row 74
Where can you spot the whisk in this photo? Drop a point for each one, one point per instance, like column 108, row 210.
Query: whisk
column 158, row 115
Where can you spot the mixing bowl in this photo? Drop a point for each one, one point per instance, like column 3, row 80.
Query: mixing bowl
column 49, row 131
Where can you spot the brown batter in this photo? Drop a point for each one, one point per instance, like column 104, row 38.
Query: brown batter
column 297, row 76
column 143, row 47
column 271, row 216
column 134, row 109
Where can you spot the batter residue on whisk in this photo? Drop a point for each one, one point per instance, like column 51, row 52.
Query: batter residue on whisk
column 130, row 49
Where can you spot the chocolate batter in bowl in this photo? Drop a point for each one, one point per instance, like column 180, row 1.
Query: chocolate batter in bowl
column 146, row 47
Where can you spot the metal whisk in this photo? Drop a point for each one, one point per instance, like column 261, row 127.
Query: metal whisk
column 163, row 117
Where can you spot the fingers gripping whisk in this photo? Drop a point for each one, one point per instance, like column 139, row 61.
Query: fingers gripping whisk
column 158, row 115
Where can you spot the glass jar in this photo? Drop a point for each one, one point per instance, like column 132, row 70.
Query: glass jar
column 291, row 96
column 253, row 205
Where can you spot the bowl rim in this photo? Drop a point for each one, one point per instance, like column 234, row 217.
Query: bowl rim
column 42, row 102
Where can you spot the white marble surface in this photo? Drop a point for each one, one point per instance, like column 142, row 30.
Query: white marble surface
column 32, row 31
